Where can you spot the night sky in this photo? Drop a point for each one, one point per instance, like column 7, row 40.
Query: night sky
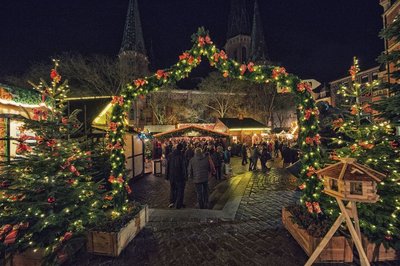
column 311, row 38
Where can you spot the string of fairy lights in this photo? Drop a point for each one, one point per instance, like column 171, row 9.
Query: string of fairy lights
column 203, row 47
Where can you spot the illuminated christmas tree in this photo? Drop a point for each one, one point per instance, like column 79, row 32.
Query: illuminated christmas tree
column 47, row 195
column 371, row 142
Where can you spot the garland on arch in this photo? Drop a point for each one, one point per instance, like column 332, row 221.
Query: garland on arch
column 204, row 47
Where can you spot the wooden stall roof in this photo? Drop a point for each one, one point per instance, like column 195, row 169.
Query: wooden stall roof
column 349, row 169
column 181, row 131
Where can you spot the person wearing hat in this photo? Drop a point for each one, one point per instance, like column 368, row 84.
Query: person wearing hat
column 176, row 174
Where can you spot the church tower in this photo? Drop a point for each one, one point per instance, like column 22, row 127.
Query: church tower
column 238, row 38
column 258, row 47
column 132, row 55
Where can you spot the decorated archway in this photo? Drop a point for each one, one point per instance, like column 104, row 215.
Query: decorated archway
column 203, row 47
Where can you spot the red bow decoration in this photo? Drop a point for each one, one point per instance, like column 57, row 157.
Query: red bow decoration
column 67, row 236
column 317, row 139
column 117, row 146
column 338, row 123
column 118, row 99
column 140, row 82
column 223, row 55
column 310, row 171
column 303, row 86
column 367, row 108
column 354, row 110
column 353, row 72
column 51, row 143
column 113, row 126
column 243, row 69
column 108, row 197
column 208, row 40
column 190, row 60
column 4, row 230
column 12, row 236
column 309, row 141
column 307, row 114
column 309, row 207
column 316, row 207
column 113, row 179
column 278, row 71
column 250, row 66
column 39, row 114
column 201, row 41
column 73, row 170
column 161, row 74
column 44, row 94
column 184, row 56
column 22, row 147
column 55, row 76
column 128, row 189
column 366, row 145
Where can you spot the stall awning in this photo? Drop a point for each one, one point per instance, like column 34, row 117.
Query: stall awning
column 191, row 131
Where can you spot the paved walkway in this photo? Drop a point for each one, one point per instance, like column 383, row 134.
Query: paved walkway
column 183, row 237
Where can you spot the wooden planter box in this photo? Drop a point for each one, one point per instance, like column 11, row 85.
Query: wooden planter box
column 337, row 250
column 382, row 254
column 112, row 243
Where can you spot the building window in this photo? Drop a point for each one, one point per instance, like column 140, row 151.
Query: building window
column 356, row 188
column 333, row 183
column 244, row 54
column 364, row 79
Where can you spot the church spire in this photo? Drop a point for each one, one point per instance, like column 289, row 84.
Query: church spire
column 239, row 23
column 258, row 49
column 133, row 36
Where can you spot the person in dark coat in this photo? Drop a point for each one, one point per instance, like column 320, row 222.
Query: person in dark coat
column 287, row 156
column 244, row 154
column 294, row 155
column 265, row 157
column 218, row 158
column 198, row 170
column 189, row 153
column 254, row 158
column 176, row 174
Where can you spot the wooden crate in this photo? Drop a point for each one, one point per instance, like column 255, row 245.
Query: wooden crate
column 382, row 254
column 29, row 258
column 112, row 243
column 337, row 250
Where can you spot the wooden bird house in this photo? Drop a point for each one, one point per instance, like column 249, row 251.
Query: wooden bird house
column 351, row 181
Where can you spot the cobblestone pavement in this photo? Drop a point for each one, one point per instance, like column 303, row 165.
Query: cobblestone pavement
column 255, row 237
column 154, row 191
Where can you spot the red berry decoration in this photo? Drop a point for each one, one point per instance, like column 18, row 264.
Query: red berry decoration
column 51, row 200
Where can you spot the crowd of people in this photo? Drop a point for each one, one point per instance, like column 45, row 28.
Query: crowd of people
column 203, row 159
column 267, row 151
column 197, row 161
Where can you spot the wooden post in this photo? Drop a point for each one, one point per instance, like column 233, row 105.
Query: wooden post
column 356, row 235
column 325, row 240
column 355, row 218
column 357, row 241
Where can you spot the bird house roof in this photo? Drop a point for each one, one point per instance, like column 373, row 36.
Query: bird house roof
column 349, row 169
